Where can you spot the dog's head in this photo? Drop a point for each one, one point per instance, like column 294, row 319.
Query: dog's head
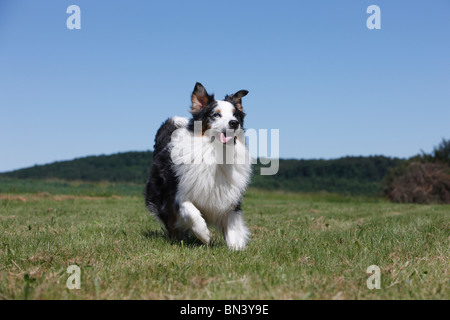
column 221, row 119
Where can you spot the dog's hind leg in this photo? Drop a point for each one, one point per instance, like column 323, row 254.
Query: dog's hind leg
column 193, row 220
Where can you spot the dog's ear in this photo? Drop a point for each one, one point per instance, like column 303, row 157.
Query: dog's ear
column 200, row 97
column 237, row 98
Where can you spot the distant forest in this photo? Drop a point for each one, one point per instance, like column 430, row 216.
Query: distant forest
column 349, row 175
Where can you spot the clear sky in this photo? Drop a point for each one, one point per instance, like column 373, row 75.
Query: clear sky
column 314, row 70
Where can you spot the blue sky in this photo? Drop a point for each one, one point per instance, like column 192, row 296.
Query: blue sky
column 314, row 71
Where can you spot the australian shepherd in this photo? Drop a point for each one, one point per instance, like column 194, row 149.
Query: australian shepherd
column 201, row 169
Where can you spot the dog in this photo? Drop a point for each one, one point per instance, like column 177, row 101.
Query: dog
column 201, row 169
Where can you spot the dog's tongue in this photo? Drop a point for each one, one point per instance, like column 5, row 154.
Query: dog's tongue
column 224, row 139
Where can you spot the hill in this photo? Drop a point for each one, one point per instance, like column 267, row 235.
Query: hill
column 119, row 167
column 349, row 175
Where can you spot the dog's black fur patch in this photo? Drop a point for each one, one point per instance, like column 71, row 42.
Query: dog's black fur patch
column 162, row 184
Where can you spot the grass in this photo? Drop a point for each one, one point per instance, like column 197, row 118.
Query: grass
column 54, row 186
column 304, row 246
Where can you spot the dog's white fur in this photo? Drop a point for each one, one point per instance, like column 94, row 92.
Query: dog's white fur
column 209, row 192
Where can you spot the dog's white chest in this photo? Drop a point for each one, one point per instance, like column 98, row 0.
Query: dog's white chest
column 214, row 188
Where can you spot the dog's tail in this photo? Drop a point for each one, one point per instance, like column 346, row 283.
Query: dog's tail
column 164, row 134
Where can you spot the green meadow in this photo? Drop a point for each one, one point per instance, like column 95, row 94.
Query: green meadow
column 304, row 246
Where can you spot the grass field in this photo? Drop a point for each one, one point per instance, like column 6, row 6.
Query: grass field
column 304, row 246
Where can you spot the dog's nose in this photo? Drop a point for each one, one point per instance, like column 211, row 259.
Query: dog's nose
column 233, row 124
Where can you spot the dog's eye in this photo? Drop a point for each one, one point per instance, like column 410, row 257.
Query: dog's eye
column 217, row 115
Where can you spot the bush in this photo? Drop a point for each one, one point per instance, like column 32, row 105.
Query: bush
column 420, row 183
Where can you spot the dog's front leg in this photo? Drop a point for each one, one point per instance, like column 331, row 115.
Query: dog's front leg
column 194, row 221
column 236, row 232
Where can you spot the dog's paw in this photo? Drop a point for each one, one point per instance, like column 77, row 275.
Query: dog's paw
column 201, row 231
column 237, row 235
column 235, row 242
column 237, row 246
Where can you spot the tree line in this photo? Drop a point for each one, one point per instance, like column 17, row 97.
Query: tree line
column 349, row 175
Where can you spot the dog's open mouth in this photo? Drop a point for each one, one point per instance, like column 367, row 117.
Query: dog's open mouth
column 224, row 138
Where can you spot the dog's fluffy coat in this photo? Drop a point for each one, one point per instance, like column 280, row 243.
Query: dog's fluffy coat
column 188, row 190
